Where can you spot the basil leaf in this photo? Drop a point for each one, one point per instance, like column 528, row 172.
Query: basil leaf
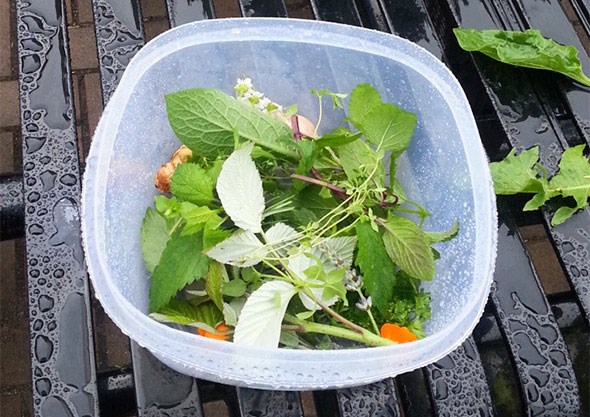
column 207, row 121
column 524, row 49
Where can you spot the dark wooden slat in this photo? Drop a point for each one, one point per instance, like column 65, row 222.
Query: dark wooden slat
column 12, row 209
column 119, row 35
column 261, row 403
column 62, row 351
column 339, row 11
column 539, row 353
column 374, row 400
column 185, row 11
column 263, row 8
column 163, row 391
column 463, row 391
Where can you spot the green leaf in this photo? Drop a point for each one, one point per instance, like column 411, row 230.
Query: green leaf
column 572, row 180
column 191, row 183
column 408, row 246
column 260, row 321
column 154, row 236
column 309, row 154
column 206, row 120
column 338, row 137
column 167, row 207
column 197, row 218
column 182, row 263
column 388, row 127
column 205, row 316
column 436, row 237
column 241, row 249
column 517, row 174
column 377, row 268
column 234, row 288
column 212, row 237
column 363, row 99
column 525, row 49
column 213, row 283
column 358, row 159
column 334, row 287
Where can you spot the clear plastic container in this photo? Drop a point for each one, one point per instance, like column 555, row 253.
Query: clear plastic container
column 445, row 169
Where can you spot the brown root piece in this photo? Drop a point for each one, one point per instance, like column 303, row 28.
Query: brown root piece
column 164, row 174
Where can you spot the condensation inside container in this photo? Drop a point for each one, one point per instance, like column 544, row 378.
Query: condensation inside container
column 434, row 170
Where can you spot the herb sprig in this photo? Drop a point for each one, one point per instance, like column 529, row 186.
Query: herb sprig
column 274, row 235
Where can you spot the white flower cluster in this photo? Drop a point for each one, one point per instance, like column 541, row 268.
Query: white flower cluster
column 246, row 92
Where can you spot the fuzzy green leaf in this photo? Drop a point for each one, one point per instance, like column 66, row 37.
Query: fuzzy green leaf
column 525, row 49
column 517, row 174
column 206, row 315
column 207, row 120
column 358, row 159
column 408, row 246
column 191, row 183
column 197, row 218
column 182, row 263
column 234, row 288
column 338, row 137
column 213, row 283
column 154, row 236
column 377, row 268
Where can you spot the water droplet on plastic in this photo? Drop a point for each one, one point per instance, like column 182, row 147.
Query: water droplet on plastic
column 36, row 229
column 30, row 63
column 68, row 179
column 37, row 325
column 48, row 179
column 43, row 386
column 33, row 144
column 33, row 197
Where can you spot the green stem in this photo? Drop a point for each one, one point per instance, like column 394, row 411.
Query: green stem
column 354, row 327
column 370, row 314
column 365, row 336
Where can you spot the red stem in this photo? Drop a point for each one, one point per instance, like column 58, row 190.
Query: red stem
column 340, row 192
column 295, row 127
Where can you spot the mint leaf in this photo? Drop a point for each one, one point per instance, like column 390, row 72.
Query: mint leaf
column 213, row 282
column 181, row 264
column 239, row 188
column 517, row 174
column 390, row 128
column 338, row 137
column 154, row 236
column 191, row 183
column 212, row 237
column 358, row 159
column 377, row 268
column 167, row 207
column 436, row 237
column 197, row 218
column 260, row 321
column 408, row 246
column 363, row 99
column 207, row 120
column 572, row 180
column 525, row 49
column 205, row 316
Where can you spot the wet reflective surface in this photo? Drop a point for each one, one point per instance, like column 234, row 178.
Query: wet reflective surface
column 184, row 11
column 379, row 399
column 260, row 403
column 62, row 349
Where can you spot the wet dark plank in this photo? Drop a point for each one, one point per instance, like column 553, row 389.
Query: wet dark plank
column 161, row 390
column 538, row 350
column 339, row 11
column 458, row 383
column 62, row 351
column 185, row 11
column 263, row 8
column 119, row 35
column 261, row 403
column 11, row 206
column 379, row 399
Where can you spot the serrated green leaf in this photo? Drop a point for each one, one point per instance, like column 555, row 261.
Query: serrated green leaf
column 358, row 159
column 363, row 99
column 517, row 174
column 334, row 286
column 205, row 316
column 407, row 245
column 376, row 267
column 167, row 207
column 260, row 321
column 206, row 121
column 181, row 263
column 197, row 218
column 572, row 180
column 239, row 188
column 191, row 183
column 213, row 283
column 389, row 128
column 525, row 49
column 309, row 154
column 212, row 237
column 338, row 137
column 437, row 237
column 233, row 288
column 154, row 236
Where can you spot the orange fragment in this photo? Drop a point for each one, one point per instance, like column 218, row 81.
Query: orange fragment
column 219, row 335
column 395, row 333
